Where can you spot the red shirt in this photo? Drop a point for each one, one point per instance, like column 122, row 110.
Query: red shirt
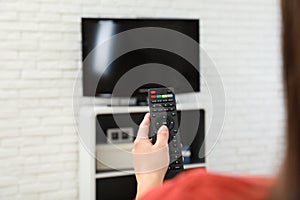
column 198, row 184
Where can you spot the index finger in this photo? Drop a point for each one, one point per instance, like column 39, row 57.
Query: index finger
column 146, row 120
column 144, row 127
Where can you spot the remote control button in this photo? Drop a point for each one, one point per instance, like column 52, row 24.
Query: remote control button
column 153, row 101
column 174, row 157
column 153, row 96
column 157, row 124
column 153, row 92
column 170, row 95
column 164, row 117
column 171, row 125
column 159, row 100
column 170, row 100
column 165, row 105
column 159, row 109
column 171, row 104
column 171, row 109
column 173, row 114
column 158, row 96
column 164, row 96
column 156, row 105
column 153, row 115
column 165, row 100
column 154, row 110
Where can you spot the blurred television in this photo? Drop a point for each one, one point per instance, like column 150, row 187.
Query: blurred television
column 100, row 80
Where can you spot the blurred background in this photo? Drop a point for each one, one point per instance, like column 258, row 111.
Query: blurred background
column 40, row 55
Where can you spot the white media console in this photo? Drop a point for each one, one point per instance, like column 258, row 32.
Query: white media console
column 94, row 175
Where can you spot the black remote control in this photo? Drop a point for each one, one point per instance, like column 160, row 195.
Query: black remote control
column 163, row 111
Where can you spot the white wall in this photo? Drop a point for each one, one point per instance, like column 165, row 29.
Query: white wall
column 40, row 53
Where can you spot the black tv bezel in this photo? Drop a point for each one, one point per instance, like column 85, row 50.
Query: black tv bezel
column 139, row 94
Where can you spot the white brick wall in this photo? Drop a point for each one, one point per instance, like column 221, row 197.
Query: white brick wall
column 40, row 53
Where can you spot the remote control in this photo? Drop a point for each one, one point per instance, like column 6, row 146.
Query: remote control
column 163, row 111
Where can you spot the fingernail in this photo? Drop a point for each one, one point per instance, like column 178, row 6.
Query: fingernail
column 163, row 128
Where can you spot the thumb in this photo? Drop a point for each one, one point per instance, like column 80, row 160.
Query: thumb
column 162, row 137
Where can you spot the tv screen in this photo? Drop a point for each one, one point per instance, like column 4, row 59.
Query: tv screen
column 101, row 79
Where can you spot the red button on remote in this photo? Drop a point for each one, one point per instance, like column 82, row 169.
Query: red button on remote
column 152, row 92
column 153, row 97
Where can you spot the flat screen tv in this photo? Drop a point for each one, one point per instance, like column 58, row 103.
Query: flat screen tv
column 100, row 80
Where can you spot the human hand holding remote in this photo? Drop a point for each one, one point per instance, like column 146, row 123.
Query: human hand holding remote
column 150, row 160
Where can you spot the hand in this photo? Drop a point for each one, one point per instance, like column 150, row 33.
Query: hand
column 150, row 161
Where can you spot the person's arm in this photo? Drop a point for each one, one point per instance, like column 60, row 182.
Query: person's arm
column 150, row 161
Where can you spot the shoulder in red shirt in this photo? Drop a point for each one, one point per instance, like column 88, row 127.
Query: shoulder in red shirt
column 198, row 184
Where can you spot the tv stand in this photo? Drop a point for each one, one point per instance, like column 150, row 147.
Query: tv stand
column 141, row 101
column 96, row 181
column 132, row 102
